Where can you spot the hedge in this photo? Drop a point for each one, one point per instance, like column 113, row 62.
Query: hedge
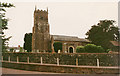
column 80, row 49
column 90, row 48
column 66, row 59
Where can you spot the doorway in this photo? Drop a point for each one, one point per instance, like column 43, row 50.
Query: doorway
column 71, row 49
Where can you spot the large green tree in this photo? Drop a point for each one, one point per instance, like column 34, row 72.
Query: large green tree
column 104, row 32
column 28, row 42
column 4, row 24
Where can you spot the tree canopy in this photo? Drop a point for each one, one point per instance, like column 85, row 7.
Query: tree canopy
column 4, row 24
column 57, row 46
column 28, row 42
column 104, row 32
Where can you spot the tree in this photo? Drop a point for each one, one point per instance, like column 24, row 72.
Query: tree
column 104, row 32
column 4, row 24
column 28, row 42
column 12, row 49
column 57, row 46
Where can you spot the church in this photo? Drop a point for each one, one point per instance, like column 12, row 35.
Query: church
column 42, row 41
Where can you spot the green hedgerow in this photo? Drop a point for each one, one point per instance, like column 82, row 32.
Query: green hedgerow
column 90, row 48
column 80, row 49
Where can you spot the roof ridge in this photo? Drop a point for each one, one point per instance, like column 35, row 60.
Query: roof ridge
column 65, row 36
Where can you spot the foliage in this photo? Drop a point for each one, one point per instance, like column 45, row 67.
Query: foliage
column 102, row 33
column 66, row 59
column 28, row 42
column 100, row 49
column 11, row 50
column 90, row 48
column 5, row 43
column 4, row 23
column 21, row 49
column 108, row 50
column 57, row 46
column 80, row 49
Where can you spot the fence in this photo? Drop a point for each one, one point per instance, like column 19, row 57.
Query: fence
column 57, row 61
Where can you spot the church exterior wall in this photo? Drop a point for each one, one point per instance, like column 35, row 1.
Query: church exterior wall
column 67, row 44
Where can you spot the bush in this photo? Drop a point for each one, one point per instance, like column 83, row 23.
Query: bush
column 80, row 49
column 100, row 49
column 11, row 50
column 57, row 46
column 108, row 50
column 90, row 48
column 65, row 59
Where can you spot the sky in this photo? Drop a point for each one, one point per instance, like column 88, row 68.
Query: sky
column 65, row 18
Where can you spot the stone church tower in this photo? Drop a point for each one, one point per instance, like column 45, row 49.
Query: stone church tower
column 41, row 35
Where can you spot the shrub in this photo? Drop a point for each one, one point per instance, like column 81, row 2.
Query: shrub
column 57, row 46
column 108, row 50
column 11, row 50
column 100, row 49
column 21, row 49
column 90, row 48
column 80, row 49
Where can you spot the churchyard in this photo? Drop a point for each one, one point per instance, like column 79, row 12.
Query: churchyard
column 98, row 53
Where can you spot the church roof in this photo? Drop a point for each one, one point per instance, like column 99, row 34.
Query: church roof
column 68, row 38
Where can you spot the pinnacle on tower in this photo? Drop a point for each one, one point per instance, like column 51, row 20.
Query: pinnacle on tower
column 35, row 7
column 47, row 9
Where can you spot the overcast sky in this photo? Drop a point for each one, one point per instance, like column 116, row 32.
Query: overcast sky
column 65, row 18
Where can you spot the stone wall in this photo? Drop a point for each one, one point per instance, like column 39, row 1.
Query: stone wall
column 59, row 69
